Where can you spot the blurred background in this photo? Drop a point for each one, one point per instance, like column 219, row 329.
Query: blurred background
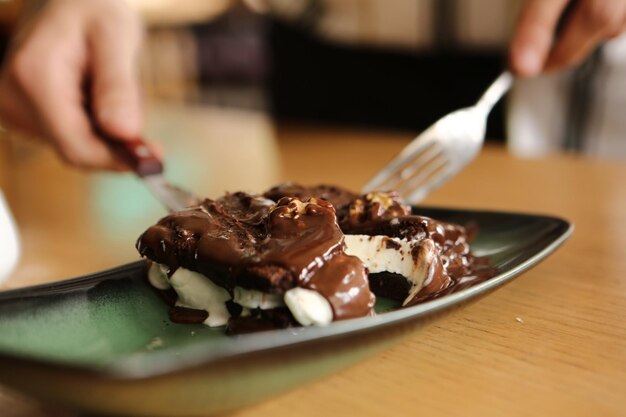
column 398, row 64
column 366, row 63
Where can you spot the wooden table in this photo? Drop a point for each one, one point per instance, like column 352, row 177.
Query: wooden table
column 553, row 342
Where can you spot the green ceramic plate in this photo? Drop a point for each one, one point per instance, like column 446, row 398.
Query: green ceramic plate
column 103, row 343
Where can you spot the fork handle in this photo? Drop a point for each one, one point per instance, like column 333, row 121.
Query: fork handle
column 495, row 91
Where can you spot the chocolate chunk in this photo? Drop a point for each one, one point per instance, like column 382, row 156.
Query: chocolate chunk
column 391, row 244
column 233, row 308
column 186, row 315
column 261, row 320
column 390, row 285
column 370, row 209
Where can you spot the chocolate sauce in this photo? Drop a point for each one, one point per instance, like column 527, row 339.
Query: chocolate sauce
column 349, row 296
column 480, row 271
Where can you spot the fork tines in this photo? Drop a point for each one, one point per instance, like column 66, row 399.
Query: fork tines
column 411, row 171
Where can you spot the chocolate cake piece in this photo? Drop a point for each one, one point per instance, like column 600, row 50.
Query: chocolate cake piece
column 211, row 238
column 255, row 251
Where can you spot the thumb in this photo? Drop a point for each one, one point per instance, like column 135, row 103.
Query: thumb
column 533, row 35
column 115, row 94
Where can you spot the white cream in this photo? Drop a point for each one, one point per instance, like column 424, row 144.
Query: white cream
column 308, row 307
column 157, row 276
column 197, row 291
column 381, row 255
column 257, row 299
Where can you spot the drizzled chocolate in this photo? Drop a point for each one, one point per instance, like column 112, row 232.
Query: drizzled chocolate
column 384, row 213
column 248, row 241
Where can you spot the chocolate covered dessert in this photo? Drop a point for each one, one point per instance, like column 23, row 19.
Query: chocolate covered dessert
column 244, row 258
column 301, row 256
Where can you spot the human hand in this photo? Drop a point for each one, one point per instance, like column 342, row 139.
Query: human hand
column 536, row 48
column 73, row 55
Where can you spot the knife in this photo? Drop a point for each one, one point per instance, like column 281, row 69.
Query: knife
column 149, row 168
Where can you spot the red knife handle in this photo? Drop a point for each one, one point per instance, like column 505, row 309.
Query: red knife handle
column 139, row 155
column 135, row 152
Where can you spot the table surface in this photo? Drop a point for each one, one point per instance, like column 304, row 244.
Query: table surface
column 552, row 342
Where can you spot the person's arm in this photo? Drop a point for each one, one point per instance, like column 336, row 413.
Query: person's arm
column 535, row 48
column 66, row 47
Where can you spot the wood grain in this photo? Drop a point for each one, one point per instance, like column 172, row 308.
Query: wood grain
column 553, row 342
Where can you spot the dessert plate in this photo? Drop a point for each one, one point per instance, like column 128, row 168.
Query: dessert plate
column 103, row 343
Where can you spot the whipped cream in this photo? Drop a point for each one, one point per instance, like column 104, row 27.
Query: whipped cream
column 157, row 276
column 308, row 307
column 194, row 291
column 197, row 291
column 410, row 258
column 257, row 299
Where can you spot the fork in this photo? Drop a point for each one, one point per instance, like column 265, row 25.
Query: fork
column 442, row 150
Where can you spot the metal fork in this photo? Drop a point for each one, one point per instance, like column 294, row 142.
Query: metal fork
column 442, row 150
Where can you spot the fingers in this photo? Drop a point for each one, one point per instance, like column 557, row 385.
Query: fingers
column 60, row 104
column 533, row 36
column 591, row 22
column 534, row 48
column 41, row 86
column 69, row 124
column 15, row 109
column 116, row 98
